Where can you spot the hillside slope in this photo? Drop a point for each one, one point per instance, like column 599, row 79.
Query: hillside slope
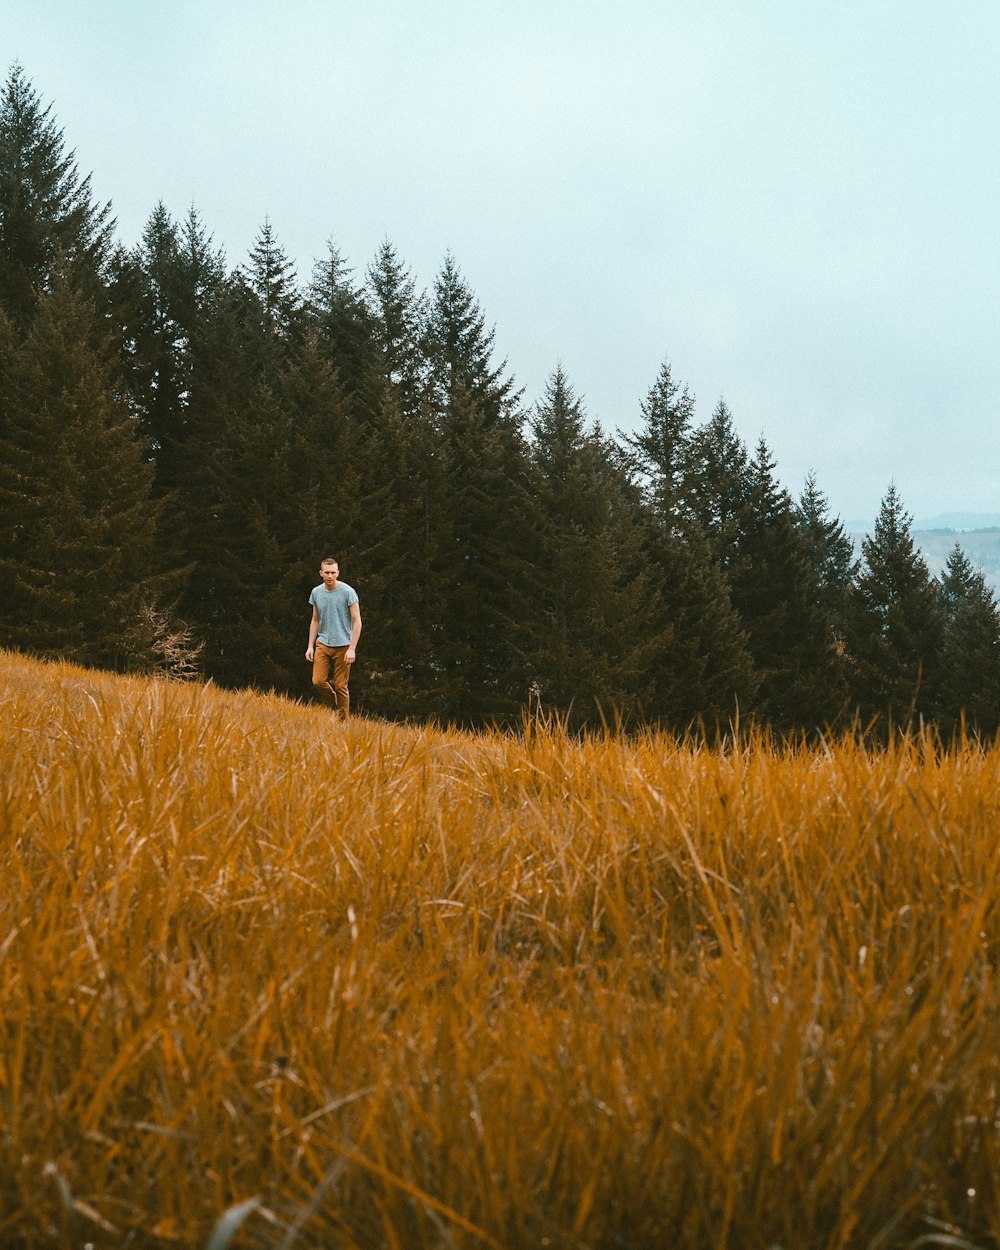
column 368, row 985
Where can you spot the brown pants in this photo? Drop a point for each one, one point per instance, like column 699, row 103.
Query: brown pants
column 332, row 690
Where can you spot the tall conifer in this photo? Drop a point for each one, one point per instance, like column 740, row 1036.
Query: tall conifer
column 262, row 403
column 342, row 321
column 658, row 452
column 174, row 272
column 829, row 551
column 893, row 634
column 717, row 482
column 702, row 671
column 776, row 591
column 592, row 614
column 278, row 310
column 401, row 476
column 49, row 221
column 459, row 348
column 480, row 568
column 483, row 571
column 79, row 574
column 399, row 316
column 968, row 683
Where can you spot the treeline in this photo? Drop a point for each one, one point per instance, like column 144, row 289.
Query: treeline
column 182, row 441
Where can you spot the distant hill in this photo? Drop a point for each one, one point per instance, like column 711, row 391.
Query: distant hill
column 982, row 546
column 963, row 521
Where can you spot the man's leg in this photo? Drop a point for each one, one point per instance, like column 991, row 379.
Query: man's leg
column 341, row 676
column 323, row 658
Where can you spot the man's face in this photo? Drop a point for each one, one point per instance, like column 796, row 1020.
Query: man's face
column 329, row 574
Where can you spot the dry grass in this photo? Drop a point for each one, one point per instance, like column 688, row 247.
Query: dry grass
column 411, row 988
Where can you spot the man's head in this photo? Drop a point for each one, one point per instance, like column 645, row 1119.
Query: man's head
column 329, row 570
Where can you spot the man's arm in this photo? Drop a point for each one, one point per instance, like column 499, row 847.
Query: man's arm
column 313, row 631
column 350, row 655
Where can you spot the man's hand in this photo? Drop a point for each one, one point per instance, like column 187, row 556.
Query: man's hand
column 349, row 656
column 309, row 654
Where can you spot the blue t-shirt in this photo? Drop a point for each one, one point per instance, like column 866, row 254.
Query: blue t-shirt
column 334, row 607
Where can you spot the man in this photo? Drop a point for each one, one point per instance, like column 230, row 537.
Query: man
column 333, row 637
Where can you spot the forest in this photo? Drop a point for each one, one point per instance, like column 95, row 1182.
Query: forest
column 182, row 440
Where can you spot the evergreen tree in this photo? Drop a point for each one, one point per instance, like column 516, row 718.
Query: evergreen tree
column 278, row 309
column 253, row 462
column 158, row 293
column 702, row 672
column 161, row 293
column 483, row 572
column 341, row 321
column 201, row 273
column 459, row 349
column 776, row 592
column 893, row 634
column 399, row 316
column 594, row 639
column 266, row 474
column 829, row 551
column 401, row 478
column 716, row 483
column 79, row 576
column 328, row 504
column 142, row 293
column 969, row 675
column 400, row 593
column 658, row 453
column 479, row 451
column 48, row 219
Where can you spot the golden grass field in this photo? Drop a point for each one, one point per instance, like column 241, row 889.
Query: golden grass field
column 269, row 981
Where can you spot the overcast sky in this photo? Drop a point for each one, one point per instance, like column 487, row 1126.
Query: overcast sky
column 795, row 202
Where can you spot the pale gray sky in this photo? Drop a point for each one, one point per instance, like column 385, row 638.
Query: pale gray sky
column 796, row 202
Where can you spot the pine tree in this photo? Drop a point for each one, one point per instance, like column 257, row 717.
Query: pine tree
column 142, row 292
column 402, row 468
column 170, row 280
column 400, row 592
column 79, row 576
column 968, row 681
column 776, row 592
column 482, row 570
column 161, row 293
column 716, row 483
column 267, row 479
column 894, row 626
column 342, row 322
column 829, row 551
column 172, row 275
column 592, row 606
column 459, row 349
column 250, row 471
column 480, row 456
column 278, row 309
column 399, row 316
column 658, row 453
column 49, row 222
column 702, row 672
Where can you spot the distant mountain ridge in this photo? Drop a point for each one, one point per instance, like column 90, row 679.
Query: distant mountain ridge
column 964, row 522
column 959, row 521
column 937, row 540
